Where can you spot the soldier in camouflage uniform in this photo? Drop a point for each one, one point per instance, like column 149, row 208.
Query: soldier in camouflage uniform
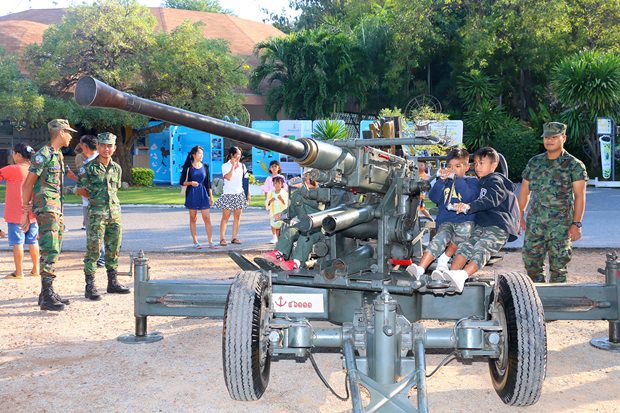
column 43, row 193
column 99, row 180
column 557, row 182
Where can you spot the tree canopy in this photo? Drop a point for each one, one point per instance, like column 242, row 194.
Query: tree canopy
column 20, row 100
column 211, row 6
column 487, row 61
column 116, row 42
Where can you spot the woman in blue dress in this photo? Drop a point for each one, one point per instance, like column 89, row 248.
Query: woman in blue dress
column 198, row 195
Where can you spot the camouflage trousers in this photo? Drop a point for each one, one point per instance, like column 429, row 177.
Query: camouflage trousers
column 456, row 232
column 51, row 228
column 106, row 230
column 484, row 242
column 546, row 237
column 297, row 246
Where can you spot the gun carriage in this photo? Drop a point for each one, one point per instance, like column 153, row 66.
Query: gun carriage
column 358, row 283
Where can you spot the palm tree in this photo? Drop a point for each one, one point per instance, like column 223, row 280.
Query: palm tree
column 307, row 73
column 588, row 86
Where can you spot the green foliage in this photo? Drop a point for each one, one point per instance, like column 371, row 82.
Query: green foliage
column 481, row 125
column 308, row 73
column 107, row 40
column 116, row 42
column 379, row 76
column 392, row 113
column 518, row 143
column 343, row 61
column 475, row 88
column 329, row 129
column 540, row 117
column 427, row 113
column 401, row 45
column 588, row 86
column 515, row 42
column 310, row 14
column 20, row 101
column 590, row 79
column 211, row 6
column 186, row 70
column 594, row 24
column 142, row 176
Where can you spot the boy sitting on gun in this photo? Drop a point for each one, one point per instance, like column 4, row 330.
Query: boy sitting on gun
column 497, row 220
column 452, row 187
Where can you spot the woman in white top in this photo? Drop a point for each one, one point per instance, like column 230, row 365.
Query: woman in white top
column 233, row 198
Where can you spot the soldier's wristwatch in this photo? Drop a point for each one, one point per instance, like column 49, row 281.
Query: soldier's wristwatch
column 577, row 224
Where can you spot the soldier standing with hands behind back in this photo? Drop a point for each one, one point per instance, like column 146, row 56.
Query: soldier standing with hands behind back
column 99, row 181
column 557, row 182
column 42, row 193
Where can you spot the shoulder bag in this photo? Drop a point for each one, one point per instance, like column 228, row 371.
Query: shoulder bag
column 184, row 187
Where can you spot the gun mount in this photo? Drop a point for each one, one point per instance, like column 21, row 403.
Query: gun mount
column 358, row 283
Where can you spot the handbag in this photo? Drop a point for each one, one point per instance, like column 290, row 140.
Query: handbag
column 184, row 187
column 245, row 181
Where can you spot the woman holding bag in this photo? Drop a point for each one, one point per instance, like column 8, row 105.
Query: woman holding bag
column 198, row 195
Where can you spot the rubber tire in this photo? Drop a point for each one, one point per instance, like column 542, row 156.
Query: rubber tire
column 518, row 382
column 245, row 315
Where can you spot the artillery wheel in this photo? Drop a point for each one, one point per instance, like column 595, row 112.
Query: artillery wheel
column 245, row 337
column 519, row 372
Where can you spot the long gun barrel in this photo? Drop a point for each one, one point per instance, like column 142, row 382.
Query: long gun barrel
column 94, row 93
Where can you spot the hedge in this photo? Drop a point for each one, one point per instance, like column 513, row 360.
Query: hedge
column 142, row 176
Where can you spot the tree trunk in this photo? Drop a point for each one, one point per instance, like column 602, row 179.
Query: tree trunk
column 124, row 143
column 525, row 93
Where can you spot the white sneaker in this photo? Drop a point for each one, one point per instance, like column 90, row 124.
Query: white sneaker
column 415, row 271
column 442, row 267
column 438, row 275
column 274, row 239
column 442, row 262
column 457, row 278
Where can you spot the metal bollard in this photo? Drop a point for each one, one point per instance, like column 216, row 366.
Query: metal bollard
column 612, row 278
column 141, row 271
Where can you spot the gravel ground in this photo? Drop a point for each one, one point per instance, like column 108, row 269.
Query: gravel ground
column 71, row 361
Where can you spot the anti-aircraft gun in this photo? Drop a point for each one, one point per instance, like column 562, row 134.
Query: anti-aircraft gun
column 358, row 283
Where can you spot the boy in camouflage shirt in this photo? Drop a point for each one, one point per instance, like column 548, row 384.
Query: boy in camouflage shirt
column 452, row 187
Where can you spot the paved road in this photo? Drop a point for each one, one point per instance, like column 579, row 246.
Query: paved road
column 601, row 223
column 165, row 229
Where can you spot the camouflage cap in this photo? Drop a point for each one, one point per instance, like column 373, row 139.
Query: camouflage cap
column 59, row 124
column 553, row 128
column 106, row 138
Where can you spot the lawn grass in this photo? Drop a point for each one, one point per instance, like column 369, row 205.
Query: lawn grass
column 157, row 195
column 162, row 195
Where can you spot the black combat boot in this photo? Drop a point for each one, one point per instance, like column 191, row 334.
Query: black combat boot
column 57, row 296
column 90, row 291
column 113, row 286
column 47, row 301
